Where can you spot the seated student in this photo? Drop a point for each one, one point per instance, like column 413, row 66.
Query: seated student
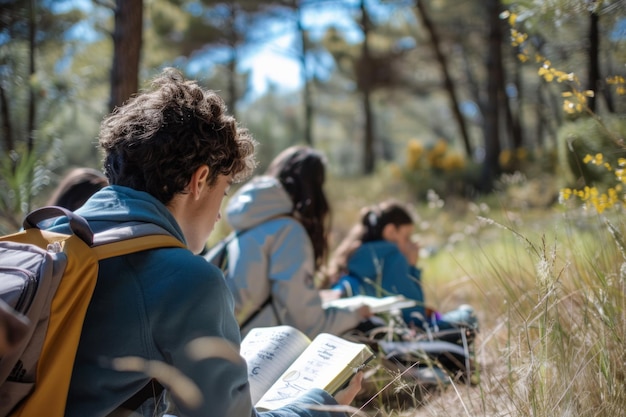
column 281, row 226
column 171, row 154
column 76, row 187
column 378, row 258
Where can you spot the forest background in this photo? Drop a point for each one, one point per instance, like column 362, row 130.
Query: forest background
column 500, row 122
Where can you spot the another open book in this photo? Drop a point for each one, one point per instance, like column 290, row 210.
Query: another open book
column 284, row 363
column 377, row 305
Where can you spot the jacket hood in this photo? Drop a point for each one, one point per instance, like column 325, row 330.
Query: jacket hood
column 117, row 204
column 258, row 200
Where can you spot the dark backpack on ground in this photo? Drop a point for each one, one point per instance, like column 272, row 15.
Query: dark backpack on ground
column 46, row 283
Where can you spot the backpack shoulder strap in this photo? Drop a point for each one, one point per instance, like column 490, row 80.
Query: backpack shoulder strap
column 219, row 253
column 132, row 237
column 221, row 258
column 136, row 244
column 121, row 240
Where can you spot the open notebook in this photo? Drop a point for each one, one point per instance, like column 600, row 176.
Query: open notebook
column 376, row 304
column 283, row 363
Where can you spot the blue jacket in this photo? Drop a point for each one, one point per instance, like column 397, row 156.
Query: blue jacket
column 379, row 269
column 151, row 305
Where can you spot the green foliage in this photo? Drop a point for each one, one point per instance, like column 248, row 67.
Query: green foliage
column 23, row 176
column 591, row 136
column 34, row 101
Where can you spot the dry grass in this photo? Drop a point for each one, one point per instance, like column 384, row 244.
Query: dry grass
column 547, row 283
column 549, row 289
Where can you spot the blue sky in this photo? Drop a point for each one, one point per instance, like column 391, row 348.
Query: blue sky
column 270, row 63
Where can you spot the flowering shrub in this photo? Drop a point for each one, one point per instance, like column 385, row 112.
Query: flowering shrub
column 436, row 167
column 593, row 137
column 592, row 196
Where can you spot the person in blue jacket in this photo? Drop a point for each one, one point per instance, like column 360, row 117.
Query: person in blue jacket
column 378, row 258
column 170, row 155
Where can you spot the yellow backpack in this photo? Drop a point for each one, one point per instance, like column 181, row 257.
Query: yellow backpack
column 46, row 283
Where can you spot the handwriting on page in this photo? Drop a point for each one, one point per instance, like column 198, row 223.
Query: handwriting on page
column 263, row 348
column 315, row 368
column 268, row 354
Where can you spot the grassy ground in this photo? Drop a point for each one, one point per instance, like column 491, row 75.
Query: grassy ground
column 548, row 285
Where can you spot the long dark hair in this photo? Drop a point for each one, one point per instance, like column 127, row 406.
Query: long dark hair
column 302, row 171
column 370, row 228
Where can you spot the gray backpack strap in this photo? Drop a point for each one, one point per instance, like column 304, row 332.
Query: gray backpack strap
column 128, row 231
column 79, row 226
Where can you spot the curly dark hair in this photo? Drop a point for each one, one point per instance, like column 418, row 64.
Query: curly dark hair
column 159, row 138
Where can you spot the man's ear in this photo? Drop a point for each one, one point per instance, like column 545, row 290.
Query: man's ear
column 199, row 181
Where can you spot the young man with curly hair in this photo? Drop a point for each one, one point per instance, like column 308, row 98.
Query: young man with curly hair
column 171, row 154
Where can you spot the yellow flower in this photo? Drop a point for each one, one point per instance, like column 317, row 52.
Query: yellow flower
column 440, row 147
column 617, row 79
column 562, row 76
column 415, row 150
column 396, row 172
column 545, row 73
column 598, row 158
column 569, row 107
column 505, row 157
column 517, row 38
column 453, row 161
column 512, row 19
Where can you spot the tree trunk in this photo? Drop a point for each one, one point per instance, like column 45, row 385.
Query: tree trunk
column 127, row 41
column 308, row 97
column 7, row 130
column 231, row 101
column 32, row 30
column 491, row 167
column 32, row 111
column 606, row 92
column 594, row 65
column 514, row 113
column 368, row 145
column 448, row 82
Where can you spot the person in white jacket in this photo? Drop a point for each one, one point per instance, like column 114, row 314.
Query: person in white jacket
column 280, row 222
